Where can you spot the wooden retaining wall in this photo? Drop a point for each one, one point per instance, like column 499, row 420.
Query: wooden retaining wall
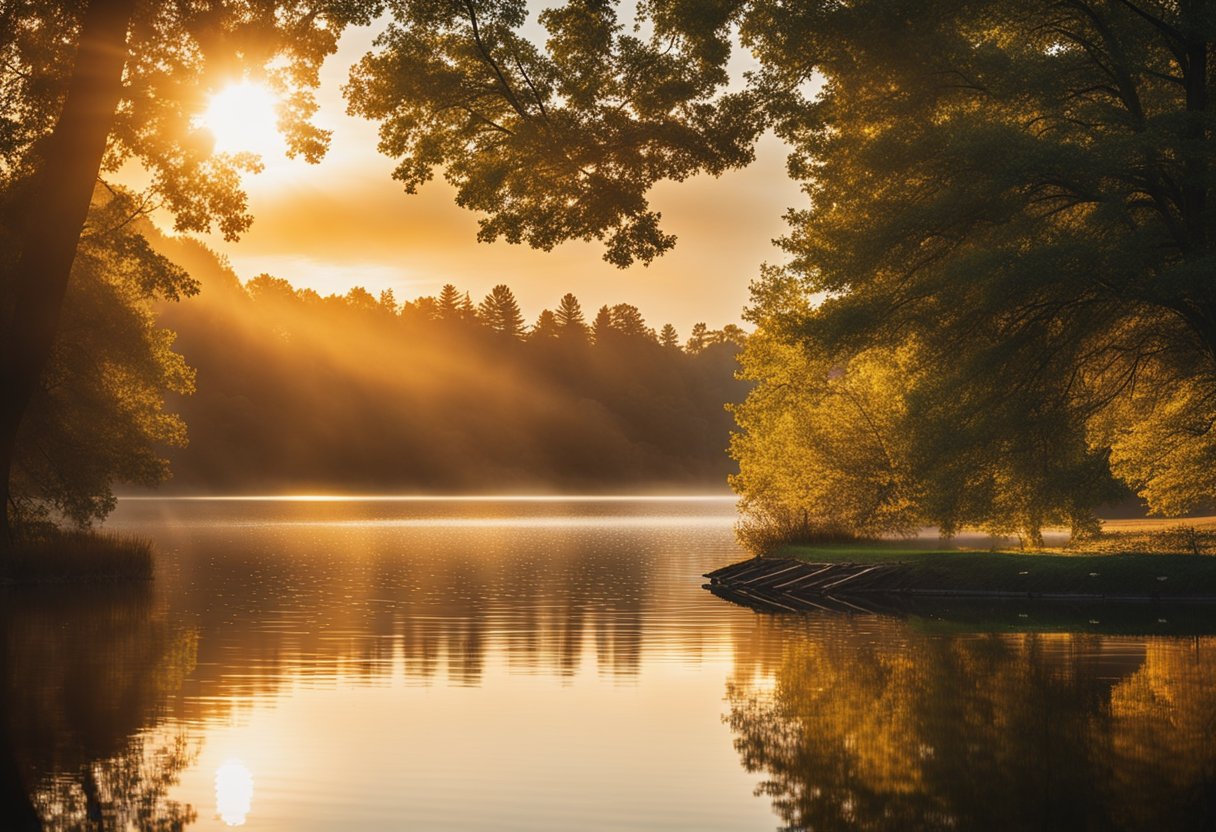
column 787, row 585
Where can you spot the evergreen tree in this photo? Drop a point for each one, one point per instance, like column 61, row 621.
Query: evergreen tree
column 570, row 317
column 545, row 328
column 450, row 303
column 499, row 311
column 628, row 321
column 601, row 327
column 669, row 338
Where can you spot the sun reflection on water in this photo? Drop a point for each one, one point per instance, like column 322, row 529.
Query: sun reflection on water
column 233, row 792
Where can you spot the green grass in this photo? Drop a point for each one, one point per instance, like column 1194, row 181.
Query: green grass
column 76, row 556
column 1174, row 575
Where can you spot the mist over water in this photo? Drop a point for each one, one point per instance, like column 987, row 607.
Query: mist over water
column 555, row 664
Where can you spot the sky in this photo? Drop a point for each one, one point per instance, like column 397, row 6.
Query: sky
column 345, row 222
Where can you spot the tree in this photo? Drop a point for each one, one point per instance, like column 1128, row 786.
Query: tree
column 89, row 87
column 563, row 143
column 668, row 337
column 699, row 338
column 500, row 312
column 876, row 441
column 729, row 334
column 545, row 328
column 570, row 319
column 601, row 327
column 97, row 413
column 627, row 320
column 361, row 299
column 549, row 145
column 1030, row 199
column 823, row 449
column 422, row 310
column 450, row 303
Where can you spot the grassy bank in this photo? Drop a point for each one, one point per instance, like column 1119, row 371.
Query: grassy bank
column 76, row 557
column 1041, row 573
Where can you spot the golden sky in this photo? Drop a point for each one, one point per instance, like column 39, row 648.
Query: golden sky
column 345, row 222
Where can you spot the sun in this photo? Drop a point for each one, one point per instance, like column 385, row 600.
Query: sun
column 241, row 118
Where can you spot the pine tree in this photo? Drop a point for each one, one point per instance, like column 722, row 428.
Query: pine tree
column 601, row 327
column 545, row 328
column 569, row 317
column 500, row 312
column 669, row 338
column 449, row 303
column 627, row 320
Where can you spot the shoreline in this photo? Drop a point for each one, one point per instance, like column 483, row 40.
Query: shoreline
column 800, row 579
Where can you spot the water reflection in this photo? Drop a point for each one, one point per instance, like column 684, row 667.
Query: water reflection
column 360, row 591
column 872, row 724
column 552, row 675
column 233, row 792
column 86, row 674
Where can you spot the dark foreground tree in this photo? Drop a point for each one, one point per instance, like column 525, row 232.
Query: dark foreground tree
column 561, row 143
column 98, row 412
column 91, row 85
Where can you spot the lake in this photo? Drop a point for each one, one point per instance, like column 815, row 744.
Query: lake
column 555, row 664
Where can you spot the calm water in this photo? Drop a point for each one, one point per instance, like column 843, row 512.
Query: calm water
column 556, row 665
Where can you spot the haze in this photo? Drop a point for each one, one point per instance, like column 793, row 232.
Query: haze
column 345, row 222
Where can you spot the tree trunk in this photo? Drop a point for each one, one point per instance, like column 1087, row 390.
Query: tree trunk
column 67, row 173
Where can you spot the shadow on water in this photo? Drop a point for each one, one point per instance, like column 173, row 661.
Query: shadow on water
column 861, row 722
column 85, row 676
column 1008, row 615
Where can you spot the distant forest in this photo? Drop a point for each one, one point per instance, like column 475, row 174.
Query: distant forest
column 301, row 392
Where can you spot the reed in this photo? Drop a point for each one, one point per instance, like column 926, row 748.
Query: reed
column 76, row 556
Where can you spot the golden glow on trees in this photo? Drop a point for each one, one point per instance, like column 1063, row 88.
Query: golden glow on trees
column 243, row 118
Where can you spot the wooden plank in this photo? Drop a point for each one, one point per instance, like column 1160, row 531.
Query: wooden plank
column 824, row 567
column 764, row 599
column 730, row 569
column 773, row 575
column 851, row 577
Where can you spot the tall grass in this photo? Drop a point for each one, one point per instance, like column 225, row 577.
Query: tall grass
column 764, row 532
column 58, row 556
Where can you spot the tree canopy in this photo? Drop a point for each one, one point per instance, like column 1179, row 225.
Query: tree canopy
column 549, row 144
column 1009, row 224
column 563, row 142
column 1020, row 194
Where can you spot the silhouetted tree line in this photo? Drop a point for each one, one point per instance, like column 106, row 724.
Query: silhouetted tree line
column 299, row 391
